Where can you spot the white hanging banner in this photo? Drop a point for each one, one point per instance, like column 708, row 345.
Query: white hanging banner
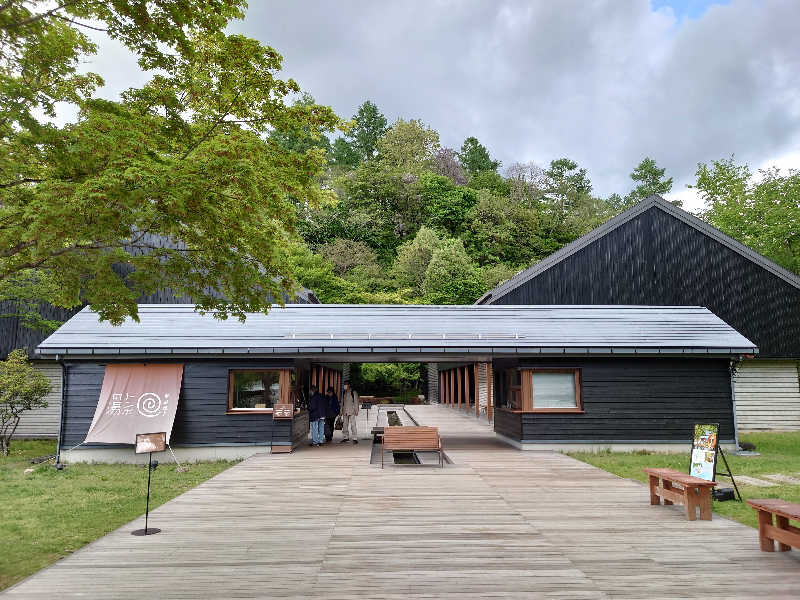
column 135, row 398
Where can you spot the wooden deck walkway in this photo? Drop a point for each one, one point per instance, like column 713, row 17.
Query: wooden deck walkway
column 499, row 523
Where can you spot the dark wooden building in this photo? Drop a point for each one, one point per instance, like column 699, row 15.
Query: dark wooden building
column 564, row 377
column 657, row 254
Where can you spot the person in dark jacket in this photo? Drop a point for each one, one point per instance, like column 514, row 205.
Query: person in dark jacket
column 318, row 408
column 333, row 411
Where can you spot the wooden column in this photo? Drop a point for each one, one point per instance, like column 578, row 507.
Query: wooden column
column 489, row 391
column 476, row 375
column 458, row 386
column 452, row 388
column 526, row 389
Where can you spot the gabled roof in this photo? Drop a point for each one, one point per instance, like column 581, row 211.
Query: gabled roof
column 656, row 202
column 403, row 329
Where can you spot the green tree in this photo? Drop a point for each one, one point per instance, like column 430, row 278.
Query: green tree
column 445, row 205
column 382, row 203
column 762, row 212
column 347, row 255
column 451, row 277
column 305, row 138
column 475, row 157
column 489, row 180
column 650, row 180
column 184, row 158
column 413, row 258
column 343, row 154
column 408, row 147
column 369, row 126
column 501, row 230
column 22, row 388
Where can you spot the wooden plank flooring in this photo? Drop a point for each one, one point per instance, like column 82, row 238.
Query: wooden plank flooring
column 497, row 523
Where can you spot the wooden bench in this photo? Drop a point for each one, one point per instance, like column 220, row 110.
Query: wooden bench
column 692, row 492
column 786, row 535
column 411, row 439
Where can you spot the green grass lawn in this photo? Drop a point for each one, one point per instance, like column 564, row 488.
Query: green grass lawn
column 780, row 453
column 48, row 514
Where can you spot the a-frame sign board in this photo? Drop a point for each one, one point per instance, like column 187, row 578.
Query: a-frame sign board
column 705, row 449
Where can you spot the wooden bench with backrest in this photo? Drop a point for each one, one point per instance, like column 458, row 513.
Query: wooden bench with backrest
column 412, row 439
column 692, row 492
column 786, row 535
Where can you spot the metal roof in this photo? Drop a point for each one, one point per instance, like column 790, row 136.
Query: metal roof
column 174, row 329
column 622, row 218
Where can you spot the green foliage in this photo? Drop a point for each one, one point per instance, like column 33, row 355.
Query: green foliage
column 475, row 157
column 445, row 205
column 343, row 154
column 348, row 254
column 413, row 258
column 316, row 273
column 383, row 206
column 22, row 388
column 502, row 230
column 386, row 379
column 451, row 276
column 369, row 126
column 303, row 139
column 762, row 212
column 494, row 275
column 491, row 181
column 408, row 147
column 650, row 181
column 183, row 157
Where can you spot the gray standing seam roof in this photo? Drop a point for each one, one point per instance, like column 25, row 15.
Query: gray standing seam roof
column 622, row 218
column 336, row 328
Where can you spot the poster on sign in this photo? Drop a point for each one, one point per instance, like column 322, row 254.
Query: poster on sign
column 704, row 451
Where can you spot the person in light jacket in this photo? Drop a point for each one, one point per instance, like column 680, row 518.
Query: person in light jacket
column 349, row 404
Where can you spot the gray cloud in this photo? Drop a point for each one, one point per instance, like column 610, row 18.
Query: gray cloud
column 605, row 83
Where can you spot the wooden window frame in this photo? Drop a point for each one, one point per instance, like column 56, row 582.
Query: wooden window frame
column 285, row 382
column 529, row 401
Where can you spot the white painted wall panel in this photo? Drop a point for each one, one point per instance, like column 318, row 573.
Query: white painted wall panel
column 768, row 395
column 43, row 422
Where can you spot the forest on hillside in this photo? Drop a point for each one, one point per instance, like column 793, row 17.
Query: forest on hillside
column 417, row 222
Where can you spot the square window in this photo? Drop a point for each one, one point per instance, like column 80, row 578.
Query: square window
column 555, row 391
column 255, row 390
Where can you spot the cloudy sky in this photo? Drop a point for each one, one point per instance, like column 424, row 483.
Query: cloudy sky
column 605, row 83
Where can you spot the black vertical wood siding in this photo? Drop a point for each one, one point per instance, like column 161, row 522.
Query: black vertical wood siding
column 656, row 259
column 632, row 400
column 200, row 418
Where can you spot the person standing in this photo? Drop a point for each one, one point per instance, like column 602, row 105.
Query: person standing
column 350, row 402
column 333, row 410
column 318, row 408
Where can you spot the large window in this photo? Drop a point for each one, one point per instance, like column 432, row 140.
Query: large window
column 254, row 390
column 555, row 390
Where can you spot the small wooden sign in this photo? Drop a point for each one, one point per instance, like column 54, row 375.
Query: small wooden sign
column 283, row 411
column 151, row 442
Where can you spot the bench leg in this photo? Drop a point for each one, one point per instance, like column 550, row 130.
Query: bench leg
column 705, row 503
column 782, row 523
column 667, row 485
column 690, row 503
column 654, row 498
column 764, row 519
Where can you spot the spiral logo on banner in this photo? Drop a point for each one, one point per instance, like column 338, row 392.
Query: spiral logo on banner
column 150, row 404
